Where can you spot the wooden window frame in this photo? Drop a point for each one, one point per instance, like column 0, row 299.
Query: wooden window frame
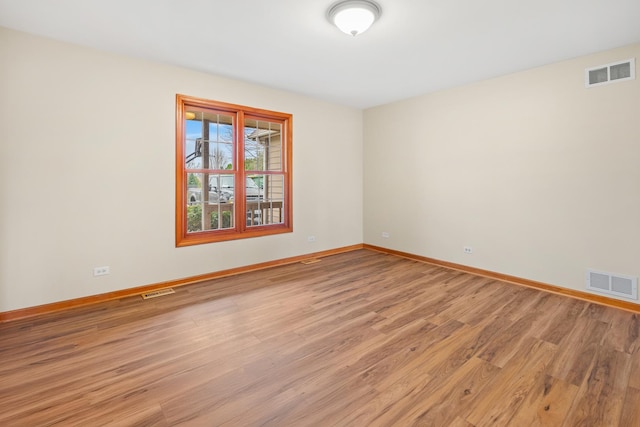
column 241, row 230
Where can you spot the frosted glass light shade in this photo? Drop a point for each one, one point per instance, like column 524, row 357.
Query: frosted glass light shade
column 354, row 17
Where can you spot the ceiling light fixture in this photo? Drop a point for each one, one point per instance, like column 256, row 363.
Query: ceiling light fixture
column 354, row 17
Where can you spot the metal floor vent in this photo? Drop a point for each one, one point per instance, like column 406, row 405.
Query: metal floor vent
column 310, row 261
column 616, row 285
column 157, row 293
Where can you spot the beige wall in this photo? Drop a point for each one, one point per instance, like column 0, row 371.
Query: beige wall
column 538, row 174
column 87, row 172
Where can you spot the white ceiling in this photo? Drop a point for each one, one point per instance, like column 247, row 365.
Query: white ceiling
column 417, row 46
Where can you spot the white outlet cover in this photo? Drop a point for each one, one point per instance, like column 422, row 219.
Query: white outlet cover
column 101, row 271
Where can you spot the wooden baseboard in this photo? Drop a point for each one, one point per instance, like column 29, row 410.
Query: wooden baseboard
column 597, row 299
column 94, row 299
column 27, row 312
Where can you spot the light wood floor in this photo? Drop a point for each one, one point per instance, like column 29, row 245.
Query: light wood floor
column 359, row 339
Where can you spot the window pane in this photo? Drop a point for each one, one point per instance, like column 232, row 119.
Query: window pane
column 194, row 188
column 253, row 191
column 204, row 209
column 194, row 202
column 274, row 187
column 220, row 207
column 208, row 140
column 193, row 134
column 224, row 211
column 223, row 185
column 269, row 209
column 262, row 145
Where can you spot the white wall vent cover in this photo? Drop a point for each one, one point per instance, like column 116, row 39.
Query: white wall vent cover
column 612, row 284
column 610, row 73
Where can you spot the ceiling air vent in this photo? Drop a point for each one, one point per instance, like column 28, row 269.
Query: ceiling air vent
column 612, row 284
column 610, row 73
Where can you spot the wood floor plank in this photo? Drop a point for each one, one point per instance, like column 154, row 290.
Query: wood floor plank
column 443, row 406
column 565, row 317
column 509, row 388
column 546, row 404
column 389, row 402
column 500, row 349
column 631, row 415
column 360, row 338
column 634, row 376
column 623, row 334
column 440, row 370
column 575, row 358
column 601, row 398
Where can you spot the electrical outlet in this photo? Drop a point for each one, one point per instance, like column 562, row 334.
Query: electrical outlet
column 101, row 271
column 311, row 238
column 468, row 250
column 385, row 235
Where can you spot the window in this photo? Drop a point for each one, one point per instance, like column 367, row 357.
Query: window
column 233, row 172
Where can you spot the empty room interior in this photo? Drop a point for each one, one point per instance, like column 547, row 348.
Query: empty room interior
column 262, row 213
